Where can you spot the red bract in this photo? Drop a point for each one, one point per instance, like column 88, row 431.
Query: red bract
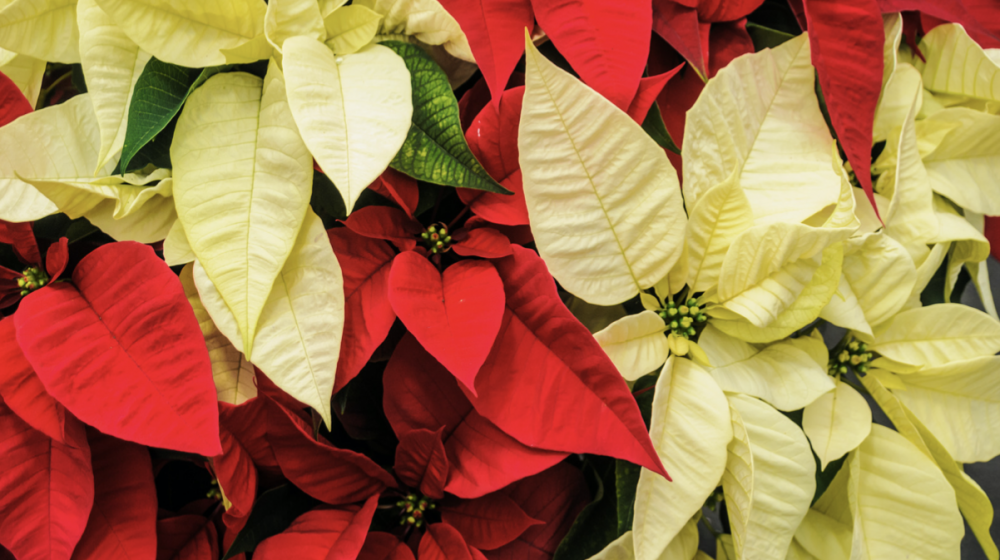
column 492, row 137
column 849, row 65
column 368, row 315
column 398, row 187
column 496, row 525
column 23, row 392
column 13, row 104
column 605, row 42
column 186, row 537
column 981, row 19
column 496, row 34
column 237, row 477
column 331, row 475
column 649, row 89
column 322, row 534
column 123, row 520
column 548, row 383
column 455, row 313
column 420, row 395
column 689, row 28
column 46, row 489
column 22, row 238
column 123, row 351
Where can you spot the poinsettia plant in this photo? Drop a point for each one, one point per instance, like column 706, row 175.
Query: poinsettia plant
column 497, row 279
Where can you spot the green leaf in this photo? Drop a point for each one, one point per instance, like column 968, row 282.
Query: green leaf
column 627, row 474
column 435, row 149
column 765, row 37
column 159, row 95
column 654, row 127
column 326, row 200
column 597, row 524
column 272, row 513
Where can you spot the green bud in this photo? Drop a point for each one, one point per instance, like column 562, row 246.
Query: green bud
column 691, row 331
column 853, row 346
column 694, row 310
column 432, row 229
column 685, row 309
column 701, row 318
column 686, row 322
column 863, row 368
column 447, row 239
column 425, row 235
column 671, row 305
column 842, row 369
column 411, row 520
column 672, row 311
column 439, row 244
column 674, row 325
column 692, row 302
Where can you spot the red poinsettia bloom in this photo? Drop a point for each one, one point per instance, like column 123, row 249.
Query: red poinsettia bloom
column 525, row 519
column 453, row 306
column 16, row 284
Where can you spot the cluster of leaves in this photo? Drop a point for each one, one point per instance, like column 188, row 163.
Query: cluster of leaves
column 313, row 287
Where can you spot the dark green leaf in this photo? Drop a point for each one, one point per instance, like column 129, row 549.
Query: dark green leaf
column 626, row 481
column 435, row 149
column 765, row 37
column 326, row 200
column 159, row 94
column 272, row 513
column 654, row 127
column 824, row 478
column 627, row 474
column 156, row 151
column 597, row 524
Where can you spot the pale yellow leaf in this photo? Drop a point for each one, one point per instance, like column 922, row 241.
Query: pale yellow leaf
column 844, row 310
column 957, row 65
column 147, row 222
column 298, row 339
column 258, row 48
column 960, row 403
column 293, row 18
column 176, row 250
column 426, row 20
column 972, row 501
column 769, row 481
column 897, row 98
column 725, row 548
column 824, row 537
column 690, row 429
column 603, row 200
column 964, row 166
column 53, row 144
column 351, row 28
column 242, row 181
column 43, row 29
column 636, row 344
column 910, row 216
column 881, row 274
column 233, row 374
column 761, row 111
column 685, row 545
column 353, row 111
column 767, row 268
column 112, row 64
column 938, row 334
column 26, row 72
column 903, row 506
column 836, row 423
column 716, row 220
column 783, row 374
column 804, row 310
column 188, row 32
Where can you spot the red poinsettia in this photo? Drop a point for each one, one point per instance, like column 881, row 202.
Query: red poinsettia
column 497, row 324
column 16, row 284
column 454, row 310
column 525, row 519
column 119, row 347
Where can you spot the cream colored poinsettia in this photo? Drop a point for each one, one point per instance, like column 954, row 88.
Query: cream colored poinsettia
column 738, row 272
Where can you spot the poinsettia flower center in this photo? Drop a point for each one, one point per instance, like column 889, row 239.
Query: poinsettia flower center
column 436, row 238
column 684, row 319
column 413, row 509
column 32, row 279
column 851, row 354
